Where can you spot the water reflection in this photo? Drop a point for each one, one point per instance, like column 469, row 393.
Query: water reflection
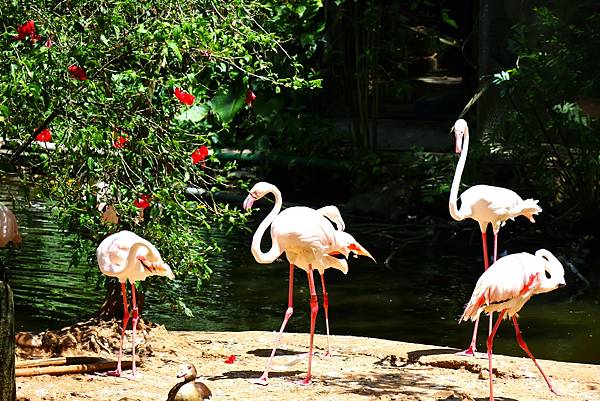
column 418, row 298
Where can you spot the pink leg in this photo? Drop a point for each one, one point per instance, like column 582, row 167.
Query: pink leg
column 526, row 349
column 118, row 371
column 486, row 264
column 314, row 308
column 326, row 306
column 134, row 322
column 495, row 247
column 264, row 379
column 490, row 343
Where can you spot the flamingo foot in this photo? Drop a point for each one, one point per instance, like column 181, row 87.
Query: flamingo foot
column 471, row 351
column 306, row 382
column 328, row 354
column 262, row 381
column 114, row 373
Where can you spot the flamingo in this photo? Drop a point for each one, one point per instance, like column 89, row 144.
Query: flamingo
column 9, row 229
column 506, row 286
column 485, row 204
column 127, row 256
column 310, row 242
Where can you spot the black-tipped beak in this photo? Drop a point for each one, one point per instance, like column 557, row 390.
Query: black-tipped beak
column 560, row 285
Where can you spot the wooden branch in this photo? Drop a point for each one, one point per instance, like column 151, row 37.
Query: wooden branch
column 99, row 366
column 36, row 131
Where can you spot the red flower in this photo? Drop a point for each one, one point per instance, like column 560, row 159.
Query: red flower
column 230, row 360
column 199, row 154
column 77, row 72
column 250, row 97
column 120, row 142
column 27, row 29
column 49, row 43
column 142, row 202
column 184, row 97
column 44, row 136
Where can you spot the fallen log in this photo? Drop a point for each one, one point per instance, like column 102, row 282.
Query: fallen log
column 100, row 366
column 71, row 360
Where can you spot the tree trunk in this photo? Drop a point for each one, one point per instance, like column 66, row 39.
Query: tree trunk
column 112, row 308
column 8, row 391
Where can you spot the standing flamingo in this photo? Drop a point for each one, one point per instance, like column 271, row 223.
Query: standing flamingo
column 127, row 256
column 506, row 286
column 485, row 204
column 310, row 242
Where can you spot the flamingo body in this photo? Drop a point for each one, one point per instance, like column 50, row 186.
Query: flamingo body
column 308, row 238
column 127, row 256
column 512, row 280
column 9, row 229
column 488, row 204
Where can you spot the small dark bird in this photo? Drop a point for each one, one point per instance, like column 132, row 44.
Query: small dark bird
column 189, row 389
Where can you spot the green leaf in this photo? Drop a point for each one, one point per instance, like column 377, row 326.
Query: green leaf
column 448, row 20
column 173, row 46
column 195, row 113
column 227, row 105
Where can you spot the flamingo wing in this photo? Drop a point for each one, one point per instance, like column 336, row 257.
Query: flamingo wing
column 507, row 284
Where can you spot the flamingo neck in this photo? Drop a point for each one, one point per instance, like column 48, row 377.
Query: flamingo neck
column 275, row 250
column 453, row 205
column 132, row 256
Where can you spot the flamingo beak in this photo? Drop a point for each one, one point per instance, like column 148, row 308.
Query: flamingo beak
column 458, row 145
column 248, row 202
column 360, row 250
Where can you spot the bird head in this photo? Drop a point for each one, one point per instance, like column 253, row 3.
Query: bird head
column 460, row 129
column 259, row 190
column 187, row 371
column 350, row 245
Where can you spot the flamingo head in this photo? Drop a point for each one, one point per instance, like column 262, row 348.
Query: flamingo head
column 187, row 371
column 460, row 129
column 259, row 190
column 350, row 246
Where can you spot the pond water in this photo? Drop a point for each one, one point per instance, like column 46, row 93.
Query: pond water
column 417, row 297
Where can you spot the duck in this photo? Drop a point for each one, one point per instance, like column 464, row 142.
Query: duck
column 189, row 389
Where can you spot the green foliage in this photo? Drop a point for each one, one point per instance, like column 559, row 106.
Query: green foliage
column 546, row 127
column 122, row 134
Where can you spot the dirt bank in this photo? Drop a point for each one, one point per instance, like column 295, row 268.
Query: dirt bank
column 360, row 369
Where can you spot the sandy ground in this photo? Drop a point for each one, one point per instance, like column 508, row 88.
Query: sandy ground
column 359, row 369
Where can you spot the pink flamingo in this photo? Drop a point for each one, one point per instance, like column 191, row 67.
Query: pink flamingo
column 310, row 242
column 9, row 229
column 506, row 286
column 127, row 256
column 485, row 204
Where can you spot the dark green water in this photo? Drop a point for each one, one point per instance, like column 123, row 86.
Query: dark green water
column 418, row 298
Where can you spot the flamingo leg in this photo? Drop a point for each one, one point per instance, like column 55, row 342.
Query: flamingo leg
column 486, row 264
column 526, row 349
column 314, row 309
column 118, row 371
column 264, row 379
column 326, row 307
column 490, row 343
column 134, row 322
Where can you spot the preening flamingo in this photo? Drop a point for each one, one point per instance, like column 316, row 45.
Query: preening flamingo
column 9, row 229
column 485, row 204
column 310, row 242
column 127, row 256
column 506, row 286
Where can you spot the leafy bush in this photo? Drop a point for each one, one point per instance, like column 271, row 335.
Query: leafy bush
column 134, row 95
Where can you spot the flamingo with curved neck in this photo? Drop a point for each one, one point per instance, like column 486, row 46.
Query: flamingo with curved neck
column 506, row 286
column 485, row 204
column 127, row 256
column 310, row 242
